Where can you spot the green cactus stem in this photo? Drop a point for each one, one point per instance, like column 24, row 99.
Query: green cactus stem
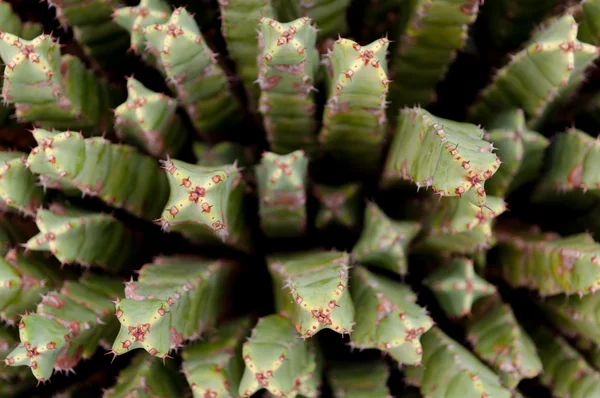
column 384, row 242
column 278, row 361
column 359, row 379
column 338, row 205
column 457, row 287
column 389, row 318
column 586, row 13
column 23, row 278
column 83, row 237
column 330, row 15
column 554, row 53
column 224, row 152
column 206, row 204
column 548, row 263
column 175, row 299
column 312, row 288
column 521, row 151
column 450, row 157
column 66, row 326
column 148, row 121
column 49, row 90
column 13, row 381
column 147, row 377
column 192, row 70
column 214, row 367
column 287, row 67
column 354, row 119
column 450, row 370
column 18, row 186
column 432, row 34
column 566, row 372
column 282, row 192
column 497, row 337
column 117, row 174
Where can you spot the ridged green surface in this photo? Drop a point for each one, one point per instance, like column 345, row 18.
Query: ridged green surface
column 359, row 379
column 587, row 15
column 18, row 186
column 338, row 205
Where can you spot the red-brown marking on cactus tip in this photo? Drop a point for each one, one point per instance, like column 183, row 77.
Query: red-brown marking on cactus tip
column 480, row 191
column 161, row 311
column 299, row 328
column 153, row 351
column 262, row 378
column 9, row 361
column 332, row 304
column 173, row 211
column 126, row 344
column 460, row 190
column 206, row 207
column 51, row 345
column 34, row 365
column 466, row 165
column 216, row 179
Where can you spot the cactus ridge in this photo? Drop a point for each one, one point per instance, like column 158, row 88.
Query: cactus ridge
column 354, row 380
column 317, row 283
column 224, row 152
column 390, row 319
column 18, row 187
column 384, row 242
column 586, row 13
column 339, row 205
column 287, row 69
column 575, row 315
column 282, row 192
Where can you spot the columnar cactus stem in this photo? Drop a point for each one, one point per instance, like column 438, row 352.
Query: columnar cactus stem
column 66, row 326
column 148, row 120
column 548, row 263
column 384, row 242
column 312, row 288
column 427, row 46
column 389, row 318
column 450, row 157
column 330, row 15
column 338, row 205
column 214, row 368
column 555, row 53
column 586, row 13
column 457, row 287
column 282, row 193
column 18, row 186
column 175, row 299
column 359, row 379
column 287, row 68
column 41, row 85
column 207, row 204
column 276, row 360
column 79, row 236
column 224, row 152
column 118, row 174
column 239, row 19
column 192, row 70
column 354, row 121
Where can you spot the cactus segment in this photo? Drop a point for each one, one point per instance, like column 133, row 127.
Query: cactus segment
column 359, row 379
column 117, row 174
column 206, row 204
column 330, row 16
column 147, row 377
column 586, row 13
column 79, row 236
column 14, row 380
column 66, row 326
column 555, row 53
column 498, row 339
column 575, row 315
column 451, row 157
column 548, row 263
column 49, row 90
column 192, row 70
column 457, row 287
column 278, row 361
column 389, row 318
column 18, row 186
column 566, row 372
column 521, row 151
column 384, row 242
column 224, row 152
column 287, row 67
column 215, row 367
column 433, row 33
column 148, row 121
column 354, row 119
column 281, row 181
column 317, row 284
column 450, row 370
column 175, row 299
column 239, row 20
column 339, row 205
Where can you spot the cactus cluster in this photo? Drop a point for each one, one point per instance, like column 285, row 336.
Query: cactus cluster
column 300, row 198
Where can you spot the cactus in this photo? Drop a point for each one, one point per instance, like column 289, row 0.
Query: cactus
column 384, row 242
column 354, row 118
column 354, row 380
column 390, row 319
column 174, row 299
column 287, row 69
column 97, row 167
column 312, row 288
column 281, row 181
column 586, row 14
column 12, row 380
column 457, row 287
column 574, row 315
column 222, row 153
column 452, row 158
column 18, row 187
column 338, row 205
column 148, row 120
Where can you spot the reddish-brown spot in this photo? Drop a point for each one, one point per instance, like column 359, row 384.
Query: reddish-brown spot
column 53, row 301
column 51, row 345
column 186, row 182
column 173, row 210
column 162, row 311
column 153, row 351
column 216, row 179
column 126, row 344
column 206, row 207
